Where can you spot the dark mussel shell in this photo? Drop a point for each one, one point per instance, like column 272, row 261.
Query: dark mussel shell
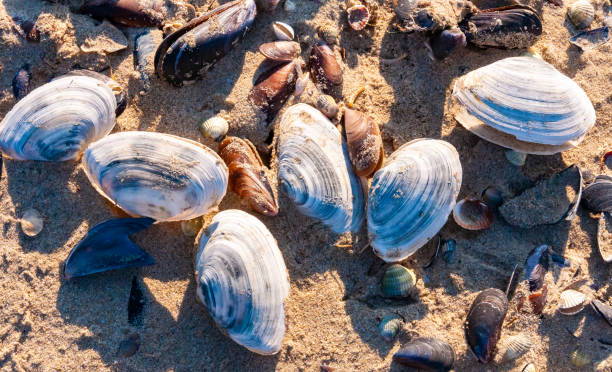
column 598, row 195
column 442, row 43
column 364, row 142
column 120, row 93
column 273, row 88
column 130, row 13
column 21, row 82
column 325, row 68
column 107, row 247
column 602, row 309
column 606, row 160
column 247, row 176
column 280, row 51
column 32, row 33
column 484, row 322
column 536, row 267
column 591, row 39
column 144, row 49
column 514, row 26
column 604, row 236
column 426, row 353
column 492, row 196
column 190, row 51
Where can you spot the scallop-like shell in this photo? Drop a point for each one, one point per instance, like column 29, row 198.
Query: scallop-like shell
column 515, row 346
column 283, row 31
column 581, row 13
column 327, row 105
column 242, row 280
column 398, row 281
column 389, row 326
column 57, row 121
column 364, row 142
column 412, row 196
column 502, row 103
column 214, row 128
column 314, row 169
column 156, row 175
column 571, row 302
column 473, row 214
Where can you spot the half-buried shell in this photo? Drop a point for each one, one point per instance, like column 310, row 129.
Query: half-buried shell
column 156, row 175
column 242, row 280
column 412, row 196
column 503, row 103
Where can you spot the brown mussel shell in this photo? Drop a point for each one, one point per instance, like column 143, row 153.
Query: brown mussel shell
column 130, row 13
column 280, row 51
column 190, row 51
column 510, row 27
column 273, row 88
column 484, row 322
column 426, row 353
column 247, row 175
column 538, row 300
column 325, row 68
column 364, row 143
column 473, row 214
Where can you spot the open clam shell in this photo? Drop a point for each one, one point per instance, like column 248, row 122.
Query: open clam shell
column 193, row 49
column 524, row 104
column 156, row 175
column 315, row 172
column 242, row 280
column 411, row 197
column 56, row 121
column 473, row 214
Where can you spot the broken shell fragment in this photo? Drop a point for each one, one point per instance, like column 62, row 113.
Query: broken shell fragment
column 536, row 267
column 247, row 175
column 358, row 17
column 58, row 120
column 398, row 282
column 214, row 128
column 581, row 13
column 325, row 68
column 273, row 88
column 515, row 346
column 514, row 26
column 107, row 246
column 591, row 39
column 283, row 31
column 31, row 222
column 484, row 322
column 315, row 172
column 156, row 175
column 426, row 353
column 21, row 82
column 328, row 33
column 144, row 55
column 412, row 196
column 598, row 195
column 604, row 236
column 515, row 158
column 242, row 280
column 448, row 250
column 495, row 101
column 130, row 13
column 571, row 302
column 443, row 43
column 538, row 300
column 327, row 105
column 550, row 201
column 280, row 51
column 473, row 214
column 389, row 326
column 580, row 358
column 364, row 142
column 603, row 309
column 189, row 52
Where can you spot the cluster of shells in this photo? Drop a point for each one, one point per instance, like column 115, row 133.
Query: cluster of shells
column 330, row 173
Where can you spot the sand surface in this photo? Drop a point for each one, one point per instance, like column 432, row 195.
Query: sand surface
column 49, row 324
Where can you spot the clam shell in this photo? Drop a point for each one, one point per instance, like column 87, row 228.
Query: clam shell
column 364, row 142
column 31, row 222
column 156, row 175
column 495, row 101
column 398, row 281
column 607, row 160
column 314, row 170
column 214, row 128
column 426, row 353
column 283, row 31
column 571, row 302
column 411, row 197
column 473, row 214
column 242, row 280
column 389, row 326
column 581, row 13
column 529, row 367
column 57, row 121
column 515, row 346
column 281, row 51
column 598, row 195
column 604, row 236
column 358, row 17
column 325, row 68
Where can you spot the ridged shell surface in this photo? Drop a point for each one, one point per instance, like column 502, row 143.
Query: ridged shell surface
column 315, row 172
column 57, row 121
column 571, row 302
column 581, row 13
column 412, row 196
column 516, row 346
column 524, row 104
column 242, row 280
column 156, row 175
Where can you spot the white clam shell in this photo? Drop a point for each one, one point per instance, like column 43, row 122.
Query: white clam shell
column 283, row 31
column 411, row 197
column 242, row 280
column 524, row 104
column 215, row 128
column 571, row 302
column 315, row 171
column 515, row 346
column 57, row 121
column 156, row 175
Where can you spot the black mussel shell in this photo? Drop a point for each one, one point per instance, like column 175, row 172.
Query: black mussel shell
column 604, row 310
column 21, row 82
column 536, row 267
column 107, row 247
column 189, row 52
column 273, row 88
column 280, row 51
column 598, row 195
column 130, row 13
column 325, row 68
column 118, row 91
column 604, row 236
column 426, row 353
column 514, row 26
column 441, row 44
column 484, row 322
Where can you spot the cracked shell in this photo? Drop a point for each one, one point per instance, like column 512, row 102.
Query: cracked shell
column 411, row 197
column 164, row 177
column 242, row 280
column 315, row 172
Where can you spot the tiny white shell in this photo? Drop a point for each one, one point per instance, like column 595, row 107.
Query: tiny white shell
column 242, row 280
column 571, row 302
column 156, row 175
column 215, row 128
column 283, row 31
column 516, row 346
